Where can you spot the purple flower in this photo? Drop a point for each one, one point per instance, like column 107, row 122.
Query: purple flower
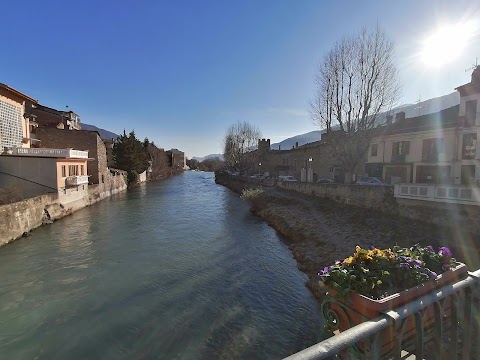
column 407, row 259
column 404, row 266
column 372, row 247
column 445, row 252
column 418, row 262
column 430, row 248
column 324, row 272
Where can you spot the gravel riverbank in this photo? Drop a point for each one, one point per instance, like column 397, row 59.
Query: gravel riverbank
column 320, row 231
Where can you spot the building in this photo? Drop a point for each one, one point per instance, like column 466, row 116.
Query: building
column 178, row 159
column 307, row 163
column 49, row 117
column 35, row 171
column 16, row 122
column 79, row 139
column 438, row 148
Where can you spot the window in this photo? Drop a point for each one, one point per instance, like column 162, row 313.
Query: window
column 432, row 148
column 72, row 170
column 373, row 150
column 401, row 147
column 470, row 113
column 11, row 130
column 64, row 171
column 400, row 150
column 82, row 172
column 469, row 146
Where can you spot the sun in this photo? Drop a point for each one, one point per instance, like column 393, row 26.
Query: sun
column 446, row 43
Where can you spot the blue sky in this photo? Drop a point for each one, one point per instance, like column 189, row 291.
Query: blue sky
column 181, row 72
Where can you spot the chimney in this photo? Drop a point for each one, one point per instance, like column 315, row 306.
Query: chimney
column 268, row 143
column 389, row 119
column 400, row 116
column 296, row 144
column 279, row 147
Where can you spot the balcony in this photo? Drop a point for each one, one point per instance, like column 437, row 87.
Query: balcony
column 76, row 180
column 54, row 153
column 449, row 337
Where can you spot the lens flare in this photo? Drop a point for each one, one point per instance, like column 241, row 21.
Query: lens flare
column 447, row 43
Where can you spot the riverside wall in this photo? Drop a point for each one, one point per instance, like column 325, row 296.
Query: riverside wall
column 19, row 218
column 458, row 220
column 463, row 218
column 379, row 197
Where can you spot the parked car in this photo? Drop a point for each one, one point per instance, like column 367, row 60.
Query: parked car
column 287, row 178
column 370, row 181
column 325, row 181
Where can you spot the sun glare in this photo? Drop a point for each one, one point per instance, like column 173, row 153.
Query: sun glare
column 446, row 43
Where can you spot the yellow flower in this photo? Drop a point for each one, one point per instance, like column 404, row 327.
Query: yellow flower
column 348, row 260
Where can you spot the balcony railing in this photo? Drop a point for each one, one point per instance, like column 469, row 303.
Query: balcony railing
column 458, row 194
column 76, row 180
column 56, row 153
column 452, row 337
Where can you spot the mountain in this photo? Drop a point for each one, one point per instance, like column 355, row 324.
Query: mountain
column 301, row 139
column 104, row 134
column 411, row 110
column 200, row 159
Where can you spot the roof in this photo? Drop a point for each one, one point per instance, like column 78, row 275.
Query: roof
column 473, row 87
column 447, row 118
column 18, row 93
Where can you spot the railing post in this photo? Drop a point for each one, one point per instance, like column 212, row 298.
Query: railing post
column 467, row 325
column 420, row 335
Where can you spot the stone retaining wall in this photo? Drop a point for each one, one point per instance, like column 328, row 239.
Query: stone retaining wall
column 359, row 195
column 21, row 217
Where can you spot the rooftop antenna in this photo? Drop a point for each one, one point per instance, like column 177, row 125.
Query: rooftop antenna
column 418, row 104
column 473, row 67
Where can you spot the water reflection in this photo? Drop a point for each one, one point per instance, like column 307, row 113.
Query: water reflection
column 174, row 269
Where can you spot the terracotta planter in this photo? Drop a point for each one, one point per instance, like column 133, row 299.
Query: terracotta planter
column 341, row 314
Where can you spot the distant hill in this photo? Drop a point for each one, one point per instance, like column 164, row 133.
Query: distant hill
column 411, row 110
column 301, row 139
column 104, row 134
column 220, row 156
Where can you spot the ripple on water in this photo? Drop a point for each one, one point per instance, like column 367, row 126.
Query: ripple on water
column 174, row 269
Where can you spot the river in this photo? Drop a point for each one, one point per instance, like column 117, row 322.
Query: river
column 176, row 269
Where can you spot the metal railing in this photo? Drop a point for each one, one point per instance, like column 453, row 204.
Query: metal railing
column 458, row 194
column 456, row 336
column 46, row 152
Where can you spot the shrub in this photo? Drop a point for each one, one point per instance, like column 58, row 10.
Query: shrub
column 251, row 195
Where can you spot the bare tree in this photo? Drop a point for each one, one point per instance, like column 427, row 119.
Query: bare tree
column 239, row 142
column 356, row 82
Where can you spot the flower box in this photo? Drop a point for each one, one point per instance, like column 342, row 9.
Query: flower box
column 343, row 310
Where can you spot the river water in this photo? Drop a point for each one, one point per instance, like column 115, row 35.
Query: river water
column 178, row 269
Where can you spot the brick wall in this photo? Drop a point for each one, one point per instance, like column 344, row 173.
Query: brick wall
column 78, row 140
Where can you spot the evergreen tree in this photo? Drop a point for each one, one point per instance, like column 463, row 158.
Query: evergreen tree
column 130, row 154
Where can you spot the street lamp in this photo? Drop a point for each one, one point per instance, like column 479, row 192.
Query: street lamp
column 259, row 164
